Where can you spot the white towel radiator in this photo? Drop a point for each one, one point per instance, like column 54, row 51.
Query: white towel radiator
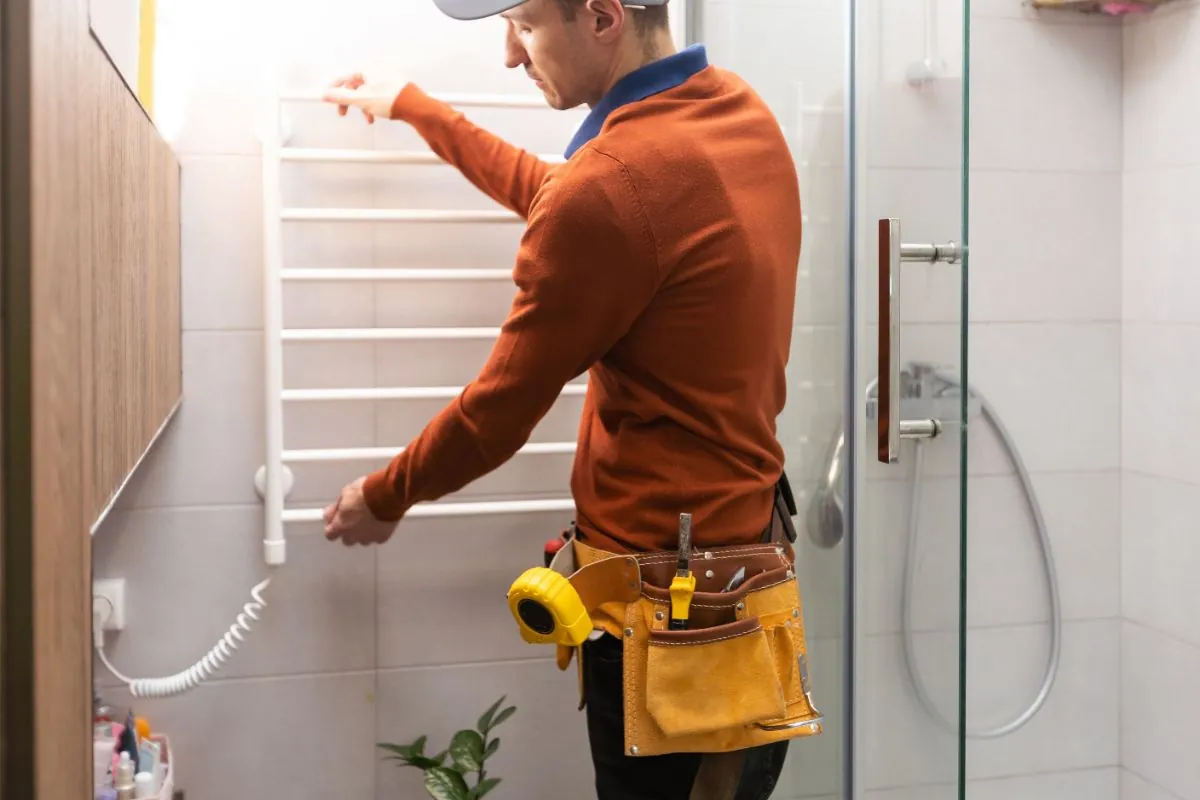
column 274, row 478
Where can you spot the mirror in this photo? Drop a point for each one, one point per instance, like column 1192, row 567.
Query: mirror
column 125, row 30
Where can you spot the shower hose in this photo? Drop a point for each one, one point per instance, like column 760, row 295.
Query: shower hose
column 910, row 569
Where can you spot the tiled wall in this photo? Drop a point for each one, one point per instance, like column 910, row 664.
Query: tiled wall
column 359, row 646
column 1160, row 636
column 1044, row 348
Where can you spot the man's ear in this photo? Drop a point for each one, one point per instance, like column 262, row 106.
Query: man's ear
column 609, row 17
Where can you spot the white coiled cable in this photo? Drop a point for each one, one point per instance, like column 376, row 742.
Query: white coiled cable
column 190, row 678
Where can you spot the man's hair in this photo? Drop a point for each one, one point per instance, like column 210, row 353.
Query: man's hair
column 646, row 20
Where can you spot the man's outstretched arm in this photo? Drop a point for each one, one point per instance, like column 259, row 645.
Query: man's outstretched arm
column 586, row 269
column 508, row 174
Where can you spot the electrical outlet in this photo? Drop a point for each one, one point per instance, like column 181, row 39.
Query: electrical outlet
column 113, row 591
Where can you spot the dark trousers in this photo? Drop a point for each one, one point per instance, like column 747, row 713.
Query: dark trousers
column 670, row 777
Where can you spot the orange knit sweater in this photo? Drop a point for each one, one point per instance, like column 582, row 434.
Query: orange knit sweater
column 661, row 259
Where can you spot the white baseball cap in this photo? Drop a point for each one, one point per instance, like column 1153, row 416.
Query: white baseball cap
column 478, row 9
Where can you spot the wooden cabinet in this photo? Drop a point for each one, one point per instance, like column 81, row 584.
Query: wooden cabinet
column 90, row 363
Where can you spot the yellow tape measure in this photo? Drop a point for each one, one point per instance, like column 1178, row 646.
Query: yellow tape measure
column 548, row 609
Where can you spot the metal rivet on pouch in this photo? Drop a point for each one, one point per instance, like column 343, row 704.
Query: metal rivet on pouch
column 629, row 631
column 708, row 556
column 790, row 574
column 633, row 751
column 795, row 612
column 658, row 615
column 708, row 574
column 741, row 606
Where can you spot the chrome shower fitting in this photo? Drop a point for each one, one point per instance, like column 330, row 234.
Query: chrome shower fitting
column 928, row 392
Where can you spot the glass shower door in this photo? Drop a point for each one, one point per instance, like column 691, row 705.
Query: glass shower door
column 795, row 55
column 909, row 135
column 871, row 97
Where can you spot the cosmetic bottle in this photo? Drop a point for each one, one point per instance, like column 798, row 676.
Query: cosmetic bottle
column 143, row 786
column 103, row 747
column 124, row 778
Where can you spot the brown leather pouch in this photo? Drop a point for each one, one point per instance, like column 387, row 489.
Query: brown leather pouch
column 736, row 678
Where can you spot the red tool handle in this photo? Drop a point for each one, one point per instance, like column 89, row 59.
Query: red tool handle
column 551, row 548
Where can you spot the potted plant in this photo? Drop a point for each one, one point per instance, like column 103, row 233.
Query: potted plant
column 464, row 776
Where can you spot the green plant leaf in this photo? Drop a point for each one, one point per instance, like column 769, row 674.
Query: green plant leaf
column 443, row 783
column 492, row 747
column 503, row 715
column 485, row 722
column 466, row 751
column 440, row 758
column 401, row 751
column 483, row 788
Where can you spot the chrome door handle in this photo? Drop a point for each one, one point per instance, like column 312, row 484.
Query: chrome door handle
column 892, row 252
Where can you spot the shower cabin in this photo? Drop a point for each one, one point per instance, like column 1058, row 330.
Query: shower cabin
column 873, row 97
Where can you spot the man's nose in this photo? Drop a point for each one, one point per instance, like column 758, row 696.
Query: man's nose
column 514, row 54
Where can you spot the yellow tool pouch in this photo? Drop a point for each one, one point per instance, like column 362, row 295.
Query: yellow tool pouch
column 736, row 678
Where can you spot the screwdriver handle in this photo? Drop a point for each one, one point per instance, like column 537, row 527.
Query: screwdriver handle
column 682, row 589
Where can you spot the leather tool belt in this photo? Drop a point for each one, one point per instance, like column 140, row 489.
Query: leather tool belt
column 736, row 678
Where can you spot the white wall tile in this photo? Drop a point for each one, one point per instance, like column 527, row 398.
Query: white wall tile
column 221, row 240
column 1160, row 394
column 1055, row 108
column 1089, row 784
column 1160, row 279
column 1158, row 702
column 1159, row 561
column 1045, row 246
column 543, row 747
column 1161, row 62
column 1160, row 638
column 442, row 586
column 188, row 576
column 209, row 453
column 304, row 736
column 1076, row 729
column 1135, row 787
column 1056, row 388
column 1007, row 582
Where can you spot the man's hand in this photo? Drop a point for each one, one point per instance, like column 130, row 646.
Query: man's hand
column 373, row 99
column 351, row 520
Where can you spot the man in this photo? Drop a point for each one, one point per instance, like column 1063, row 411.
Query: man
column 661, row 259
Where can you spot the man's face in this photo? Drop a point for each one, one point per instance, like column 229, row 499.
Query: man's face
column 559, row 54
